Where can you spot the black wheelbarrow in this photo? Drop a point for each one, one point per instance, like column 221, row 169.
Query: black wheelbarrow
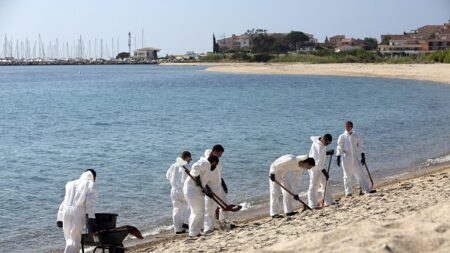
column 106, row 239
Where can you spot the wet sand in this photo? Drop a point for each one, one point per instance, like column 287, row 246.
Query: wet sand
column 405, row 215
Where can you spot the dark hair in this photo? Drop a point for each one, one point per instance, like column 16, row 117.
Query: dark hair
column 349, row 123
column 93, row 173
column 310, row 161
column 186, row 154
column 213, row 159
column 328, row 137
column 218, row 148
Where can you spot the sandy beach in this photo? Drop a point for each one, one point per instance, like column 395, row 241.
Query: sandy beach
column 405, row 215
column 426, row 72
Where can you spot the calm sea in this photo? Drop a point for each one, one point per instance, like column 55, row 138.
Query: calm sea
column 130, row 123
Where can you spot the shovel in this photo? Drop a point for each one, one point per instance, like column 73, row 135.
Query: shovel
column 217, row 199
column 322, row 204
column 305, row 206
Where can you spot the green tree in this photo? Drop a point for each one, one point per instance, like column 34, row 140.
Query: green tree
column 262, row 43
column 296, row 39
column 370, row 43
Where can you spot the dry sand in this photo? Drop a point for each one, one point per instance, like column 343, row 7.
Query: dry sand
column 427, row 72
column 410, row 215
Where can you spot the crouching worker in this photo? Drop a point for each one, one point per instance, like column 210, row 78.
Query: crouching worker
column 176, row 176
column 195, row 190
column 80, row 199
column 279, row 173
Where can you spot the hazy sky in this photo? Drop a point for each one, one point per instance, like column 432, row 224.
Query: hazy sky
column 177, row 26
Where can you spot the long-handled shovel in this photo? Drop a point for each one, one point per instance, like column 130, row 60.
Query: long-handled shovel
column 288, row 191
column 370, row 176
column 322, row 203
column 219, row 201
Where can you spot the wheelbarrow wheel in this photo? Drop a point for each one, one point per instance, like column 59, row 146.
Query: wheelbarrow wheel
column 118, row 249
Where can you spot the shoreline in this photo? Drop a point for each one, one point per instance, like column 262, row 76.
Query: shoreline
column 438, row 72
column 167, row 242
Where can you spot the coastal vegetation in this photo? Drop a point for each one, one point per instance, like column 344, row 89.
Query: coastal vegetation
column 324, row 55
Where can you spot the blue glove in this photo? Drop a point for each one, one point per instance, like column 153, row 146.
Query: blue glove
column 338, row 161
column 330, row 152
column 363, row 159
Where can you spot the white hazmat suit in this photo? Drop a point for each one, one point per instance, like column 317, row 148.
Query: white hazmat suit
column 215, row 183
column 349, row 147
column 316, row 178
column 280, row 168
column 177, row 176
column 80, row 199
column 195, row 197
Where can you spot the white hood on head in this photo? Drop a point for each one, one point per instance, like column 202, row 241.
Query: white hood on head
column 180, row 161
column 207, row 153
column 87, row 176
column 315, row 139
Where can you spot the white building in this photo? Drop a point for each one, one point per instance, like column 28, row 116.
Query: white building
column 146, row 53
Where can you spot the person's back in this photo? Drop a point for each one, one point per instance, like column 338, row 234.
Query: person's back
column 80, row 199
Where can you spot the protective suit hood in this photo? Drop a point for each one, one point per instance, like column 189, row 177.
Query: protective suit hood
column 207, row 153
column 180, row 161
column 86, row 176
column 315, row 139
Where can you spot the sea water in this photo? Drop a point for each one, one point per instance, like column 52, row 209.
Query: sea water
column 129, row 123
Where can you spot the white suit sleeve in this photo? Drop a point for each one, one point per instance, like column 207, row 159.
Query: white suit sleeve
column 91, row 201
column 340, row 146
column 360, row 144
column 169, row 175
column 318, row 157
column 61, row 207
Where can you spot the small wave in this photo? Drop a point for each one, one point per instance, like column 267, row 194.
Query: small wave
column 246, row 205
column 101, row 124
column 438, row 160
column 157, row 230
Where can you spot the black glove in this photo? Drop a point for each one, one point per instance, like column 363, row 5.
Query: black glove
column 208, row 191
column 59, row 224
column 272, row 177
column 330, row 152
column 92, row 226
column 338, row 161
column 198, row 181
column 296, row 197
column 363, row 159
column 224, row 186
column 325, row 173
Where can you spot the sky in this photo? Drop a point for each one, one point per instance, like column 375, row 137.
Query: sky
column 177, row 26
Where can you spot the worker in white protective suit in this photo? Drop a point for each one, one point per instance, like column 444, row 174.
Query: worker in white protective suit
column 279, row 172
column 218, row 186
column 195, row 191
column 177, row 176
column 349, row 146
column 80, row 199
column 318, row 176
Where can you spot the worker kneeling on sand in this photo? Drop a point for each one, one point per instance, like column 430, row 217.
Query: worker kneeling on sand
column 176, row 176
column 80, row 199
column 194, row 193
column 318, row 176
column 279, row 173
